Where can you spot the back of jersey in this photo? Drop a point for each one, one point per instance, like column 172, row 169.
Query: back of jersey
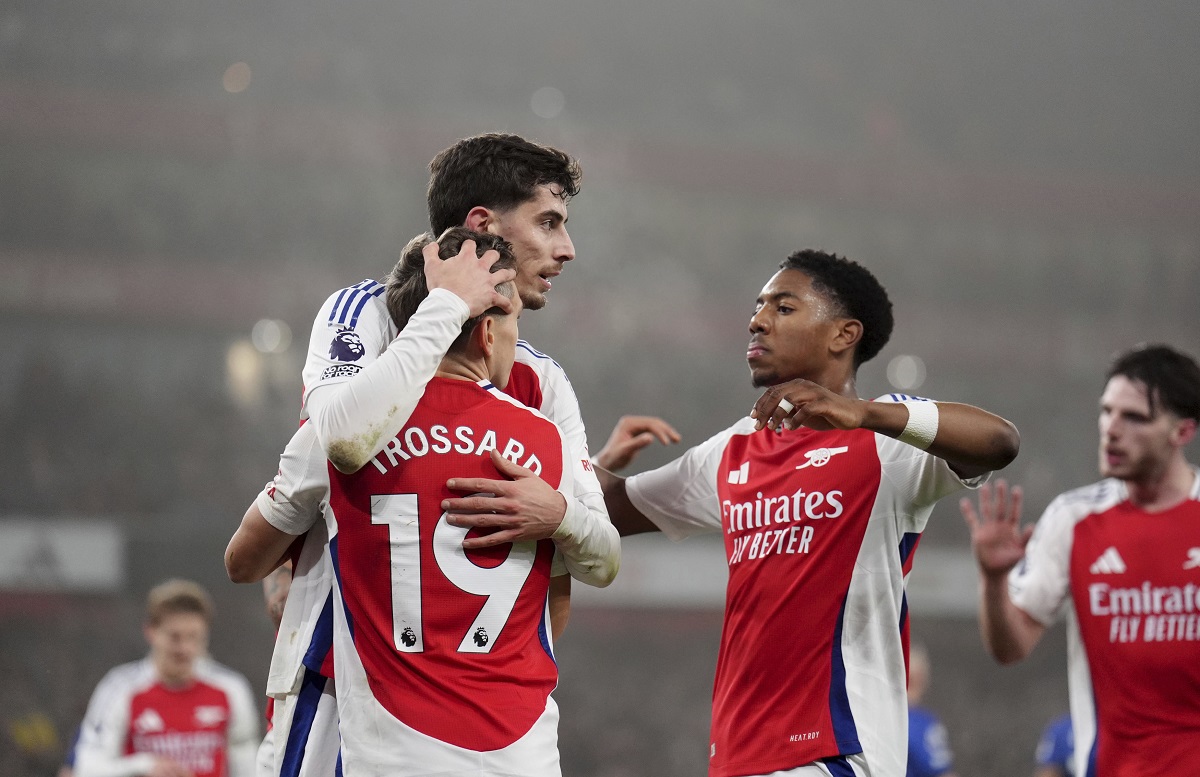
column 452, row 644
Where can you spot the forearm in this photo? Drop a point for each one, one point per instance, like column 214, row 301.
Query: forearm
column 355, row 419
column 590, row 545
column 972, row 440
column 1008, row 632
column 256, row 548
column 624, row 516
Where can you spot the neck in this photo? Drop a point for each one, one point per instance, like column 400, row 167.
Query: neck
column 461, row 366
column 1164, row 489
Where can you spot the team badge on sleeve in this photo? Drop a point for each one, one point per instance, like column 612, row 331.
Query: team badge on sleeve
column 346, row 346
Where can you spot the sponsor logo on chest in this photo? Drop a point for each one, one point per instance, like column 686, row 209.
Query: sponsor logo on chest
column 771, row 508
column 1145, row 611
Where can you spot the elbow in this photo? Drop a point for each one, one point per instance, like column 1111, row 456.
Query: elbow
column 600, row 574
column 238, row 570
column 1005, row 445
column 1008, row 656
column 347, row 457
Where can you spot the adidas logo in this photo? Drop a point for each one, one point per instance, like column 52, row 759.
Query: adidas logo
column 740, row 475
column 148, row 721
column 1109, row 563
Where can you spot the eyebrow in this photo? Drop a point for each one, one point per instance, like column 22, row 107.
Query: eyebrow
column 776, row 297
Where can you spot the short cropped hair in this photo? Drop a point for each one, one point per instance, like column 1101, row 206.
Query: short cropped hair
column 406, row 287
column 175, row 596
column 856, row 293
column 1171, row 378
column 494, row 171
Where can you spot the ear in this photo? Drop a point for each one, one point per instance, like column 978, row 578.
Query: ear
column 483, row 337
column 480, row 219
column 846, row 336
column 1184, row 432
column 147, row 632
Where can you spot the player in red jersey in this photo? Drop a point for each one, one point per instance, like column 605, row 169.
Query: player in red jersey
column 821, row 498
column 1125, row 552
column 176, row 713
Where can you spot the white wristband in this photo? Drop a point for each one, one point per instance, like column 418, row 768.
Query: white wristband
column 922, row 424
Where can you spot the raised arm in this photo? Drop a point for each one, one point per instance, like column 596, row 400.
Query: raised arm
column 971, row 440
column 358, row 406
column 999, row 543
column 625, row 517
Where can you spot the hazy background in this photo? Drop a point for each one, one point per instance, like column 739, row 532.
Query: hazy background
column 182, row 184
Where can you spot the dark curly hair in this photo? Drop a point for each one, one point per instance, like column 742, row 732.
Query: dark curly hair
column 1171, row 378
column 406, row 287
column 856, row 293
column 494, row 171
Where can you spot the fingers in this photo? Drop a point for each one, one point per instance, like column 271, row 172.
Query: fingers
column 491, row 540
column 508, row 468
column 967, row 508
column 474, row 505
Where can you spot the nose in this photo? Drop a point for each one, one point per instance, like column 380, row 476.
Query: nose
column 565, row 250
column 758, row 322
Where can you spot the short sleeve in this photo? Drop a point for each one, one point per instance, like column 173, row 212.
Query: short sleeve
column 1040, row 583
column 293, row 501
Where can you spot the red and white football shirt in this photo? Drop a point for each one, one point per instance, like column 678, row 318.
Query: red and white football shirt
column 443, row 657
column 819, row 531
column 1133, row 582
column 209, row 726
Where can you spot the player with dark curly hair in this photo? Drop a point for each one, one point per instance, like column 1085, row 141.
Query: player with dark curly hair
column 821, row 498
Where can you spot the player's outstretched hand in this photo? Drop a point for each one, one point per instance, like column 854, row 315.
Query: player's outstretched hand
column 803, row 403
column 523, row 508
column 631, row 434
column 996, row 534
column 469, row 276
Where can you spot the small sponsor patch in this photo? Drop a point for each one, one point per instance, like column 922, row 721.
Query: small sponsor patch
column 340, row 371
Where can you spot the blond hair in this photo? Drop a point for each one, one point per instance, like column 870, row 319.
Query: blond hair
column 177, row 596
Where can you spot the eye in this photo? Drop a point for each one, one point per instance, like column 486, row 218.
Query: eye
column 785, row 309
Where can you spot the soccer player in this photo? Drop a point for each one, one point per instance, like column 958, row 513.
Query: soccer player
column 1055, row 750
column 457, row 644
column 929, row 753
column 1125, row 552
column 176, row 713
column 821, row 498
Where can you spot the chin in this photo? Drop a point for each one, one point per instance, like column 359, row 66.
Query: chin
column 533, row 301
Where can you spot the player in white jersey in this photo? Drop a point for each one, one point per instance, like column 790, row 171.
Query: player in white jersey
column 301, row 670
column 176, row 713
column 1122, row 559
column 821, row 498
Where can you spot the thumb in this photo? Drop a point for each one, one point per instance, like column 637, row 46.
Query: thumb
column 509, row 469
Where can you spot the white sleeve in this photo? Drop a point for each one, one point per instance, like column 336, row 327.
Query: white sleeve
column 589, row 543
column 357, row 417
column 350, row 331
column 105, row 727
column 243, row 728
column 292, row 501
column 680, row 497
column 1040, row 583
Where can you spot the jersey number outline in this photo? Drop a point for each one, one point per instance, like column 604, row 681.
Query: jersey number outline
column 501, row 584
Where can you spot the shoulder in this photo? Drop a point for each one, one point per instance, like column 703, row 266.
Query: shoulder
column 122, row 682
column 224, row 677
column 344, row 307
column 1078, row 503
column 540, row 363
